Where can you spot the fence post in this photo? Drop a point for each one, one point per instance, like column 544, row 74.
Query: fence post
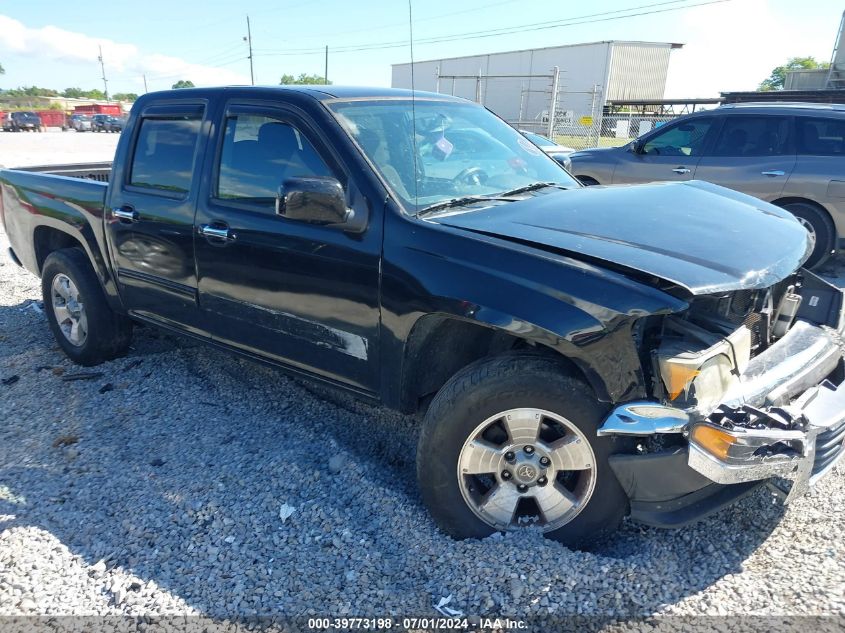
column 437, row 79
column 553, row 102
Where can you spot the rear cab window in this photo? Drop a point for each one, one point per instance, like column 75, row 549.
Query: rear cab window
column 165, row 150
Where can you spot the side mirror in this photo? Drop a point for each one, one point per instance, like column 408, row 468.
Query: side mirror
column 314, row 200
column 637, row 146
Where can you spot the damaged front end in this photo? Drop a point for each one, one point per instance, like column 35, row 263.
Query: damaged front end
column 747, row 389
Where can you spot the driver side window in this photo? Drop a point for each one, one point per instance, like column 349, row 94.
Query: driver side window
column 683, row 139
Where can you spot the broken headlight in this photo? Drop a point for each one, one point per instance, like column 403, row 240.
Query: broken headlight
column 697, row 368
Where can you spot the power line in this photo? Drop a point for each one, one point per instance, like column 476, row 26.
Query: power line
column 537, row 26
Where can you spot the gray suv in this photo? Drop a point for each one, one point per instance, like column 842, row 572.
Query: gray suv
column 790, row 154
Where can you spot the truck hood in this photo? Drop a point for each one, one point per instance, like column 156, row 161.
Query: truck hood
column 701, row 237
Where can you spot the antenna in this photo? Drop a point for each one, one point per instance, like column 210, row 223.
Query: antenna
column 248, row 40
column 413, row 103
column 103, row 68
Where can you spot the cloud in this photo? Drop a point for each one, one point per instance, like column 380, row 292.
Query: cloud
column 57, row 44
column 735, row 45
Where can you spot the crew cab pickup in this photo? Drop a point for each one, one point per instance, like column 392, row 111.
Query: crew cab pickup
column 574, row 354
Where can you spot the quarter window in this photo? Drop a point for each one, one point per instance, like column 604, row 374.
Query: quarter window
column 752, row 136
column 820, row 137
column 684, row 139
column 164, row 153
column 259, row 154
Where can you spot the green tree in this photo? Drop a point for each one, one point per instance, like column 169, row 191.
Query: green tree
column 183, row 83
column 73, row 93
column 778, row 77
column 2, row 70
column 31, row 91
column 125, row 96
column 303, row 79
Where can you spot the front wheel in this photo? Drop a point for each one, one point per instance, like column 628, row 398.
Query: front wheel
column 511, row 442
column 85, row 327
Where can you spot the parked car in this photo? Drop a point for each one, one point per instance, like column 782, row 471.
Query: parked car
column 21, row 121
column 792, row 155
column 114, row 124
column 576, row 354
column 559, row 152
column 80, row 122
column 100, row 122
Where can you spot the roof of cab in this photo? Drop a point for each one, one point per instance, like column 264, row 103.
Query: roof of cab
column 318, row 92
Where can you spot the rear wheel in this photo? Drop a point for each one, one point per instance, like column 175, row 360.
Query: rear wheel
column 85, row 327
column 511, row 442
column 821, row 228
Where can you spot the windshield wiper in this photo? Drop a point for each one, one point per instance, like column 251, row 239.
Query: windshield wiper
column 532, row 187
column 507, row 196
column 458, row 202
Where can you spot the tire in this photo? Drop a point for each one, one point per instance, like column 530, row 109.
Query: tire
column 107, row 334
column 818, row 222
column 517, row 383
column 587, row 181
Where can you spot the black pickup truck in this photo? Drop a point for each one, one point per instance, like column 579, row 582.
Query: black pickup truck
column 575, row 354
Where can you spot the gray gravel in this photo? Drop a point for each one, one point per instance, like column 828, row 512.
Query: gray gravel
column 201, row 483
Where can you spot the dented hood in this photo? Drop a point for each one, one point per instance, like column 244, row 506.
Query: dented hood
column 696, row 235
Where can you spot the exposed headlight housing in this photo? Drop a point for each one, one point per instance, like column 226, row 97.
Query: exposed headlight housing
column 696, row 378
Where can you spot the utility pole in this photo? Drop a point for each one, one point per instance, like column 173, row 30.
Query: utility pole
column 326, row 72
column 103, row 68
column 248, row 39
column 145, row 82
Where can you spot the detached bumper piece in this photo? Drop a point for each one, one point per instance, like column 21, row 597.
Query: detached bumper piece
column 799, row 442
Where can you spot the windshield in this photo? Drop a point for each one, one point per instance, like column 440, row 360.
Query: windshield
column 461, row 150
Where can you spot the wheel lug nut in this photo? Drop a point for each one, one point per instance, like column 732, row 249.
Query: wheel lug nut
column 545, row 461
column 510, row 456
column 506, row 474
column 542, row 481
column 522, row 487
column 528, row 450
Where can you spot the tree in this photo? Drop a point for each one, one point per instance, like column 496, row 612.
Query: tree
column 183, row 83
column 778, row 77
column 2, row 70
column 303, row 79
column 73, row 93
column 125, row 96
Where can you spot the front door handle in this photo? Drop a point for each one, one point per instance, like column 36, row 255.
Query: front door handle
column 773, row 173
column 681, row 170
column 216, row 232
column 126, row 213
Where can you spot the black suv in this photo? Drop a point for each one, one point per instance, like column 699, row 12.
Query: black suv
column 100, row 122
column 17, row 121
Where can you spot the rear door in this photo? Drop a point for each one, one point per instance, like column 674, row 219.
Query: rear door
column 150, row 215
column 753, row 154
column 672, row 153
column 300, row 294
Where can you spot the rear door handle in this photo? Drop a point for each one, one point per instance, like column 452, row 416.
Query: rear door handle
column 773, row 172
column 681, row 170
column 216, row 232
column 126, row 213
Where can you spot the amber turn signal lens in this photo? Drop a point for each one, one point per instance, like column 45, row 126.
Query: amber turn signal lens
column 712, row 439
column 678, row 377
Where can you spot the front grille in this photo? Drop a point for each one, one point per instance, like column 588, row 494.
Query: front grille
column 829, row 446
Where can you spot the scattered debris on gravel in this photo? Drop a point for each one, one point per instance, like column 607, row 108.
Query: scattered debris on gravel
column 200, row 483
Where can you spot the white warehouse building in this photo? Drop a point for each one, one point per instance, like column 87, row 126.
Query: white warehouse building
column 574, row 81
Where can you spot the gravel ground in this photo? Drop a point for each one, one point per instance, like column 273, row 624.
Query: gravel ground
column 161, row 486
column 54, row 147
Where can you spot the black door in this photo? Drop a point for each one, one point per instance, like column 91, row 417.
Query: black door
column 150, row 214
column 301, row 294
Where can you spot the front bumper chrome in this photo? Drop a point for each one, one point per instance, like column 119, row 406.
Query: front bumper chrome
column 784, row 419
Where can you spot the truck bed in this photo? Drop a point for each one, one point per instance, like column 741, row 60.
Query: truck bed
column 91, row 171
